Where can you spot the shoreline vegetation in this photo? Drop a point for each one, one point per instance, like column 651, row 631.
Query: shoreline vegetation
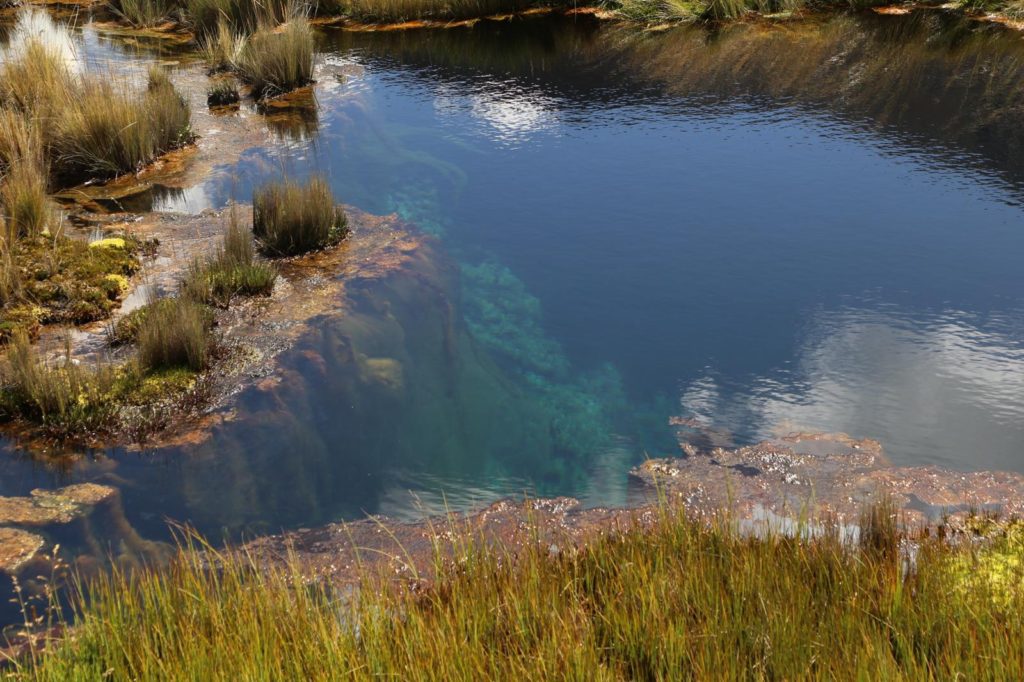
column 232, row 23
column 665, row 595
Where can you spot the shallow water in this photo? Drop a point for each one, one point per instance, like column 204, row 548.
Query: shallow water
column 814, row 226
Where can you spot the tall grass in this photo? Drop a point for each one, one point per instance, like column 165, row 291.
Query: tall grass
column 679, row 599
column 241, row 16
column 175, row 334
column 110, row 130
column 24, row 199
column 88, row 126
column 233, row 271
column 222, row 48
column 289, row 218
column 61, row 394
column 275, row 61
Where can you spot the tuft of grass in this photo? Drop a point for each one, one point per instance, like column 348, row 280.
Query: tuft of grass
column 175, row 334
column 676, row 597
column 144, row 13
column 25, row 201
column 110, row 131
column 222, row 48
column 233, row 271
column 653, row 11
column 289, row 219
column 36, row 82
column 62, row 395
column 275, row 61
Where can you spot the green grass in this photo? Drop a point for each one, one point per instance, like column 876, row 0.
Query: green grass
column 87, row 126
column 289, row 218
column 676, row 599
column 175, row 334
column 233, row 271
column 61, row 395
column 275, row 61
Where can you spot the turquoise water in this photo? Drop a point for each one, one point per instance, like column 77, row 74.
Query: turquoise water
column 811, row 227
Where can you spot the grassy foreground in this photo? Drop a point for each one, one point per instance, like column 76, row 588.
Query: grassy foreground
column 677, row 599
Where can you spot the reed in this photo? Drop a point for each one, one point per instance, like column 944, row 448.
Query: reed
column 674, row 597
column 289, row 218
column 275, row 61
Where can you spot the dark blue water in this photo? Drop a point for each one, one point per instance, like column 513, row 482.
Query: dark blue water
column 811, row 227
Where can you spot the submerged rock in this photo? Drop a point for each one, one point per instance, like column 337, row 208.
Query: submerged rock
column 17, row 547
column 47, row 507
column 822, row 476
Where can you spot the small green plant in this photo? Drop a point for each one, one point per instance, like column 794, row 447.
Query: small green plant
column 289, row 219
column 223, row 93
column 175, row 334
column 233, row 271
column 275, row 61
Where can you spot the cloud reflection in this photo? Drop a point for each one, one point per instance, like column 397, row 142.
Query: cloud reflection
column 941, row 390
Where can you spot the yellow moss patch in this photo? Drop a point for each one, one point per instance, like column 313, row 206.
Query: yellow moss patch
column 108, row 243
column 120, row 281
column 998, row 566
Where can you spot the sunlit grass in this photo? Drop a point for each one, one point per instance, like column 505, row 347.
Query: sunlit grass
column 275, row 61
column 676, row 598
column 175, row 334
column 289, row 218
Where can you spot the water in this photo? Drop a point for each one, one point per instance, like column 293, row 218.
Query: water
column 816, row 226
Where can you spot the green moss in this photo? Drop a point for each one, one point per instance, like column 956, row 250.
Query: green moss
column 66, row 280
column 161, row 385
